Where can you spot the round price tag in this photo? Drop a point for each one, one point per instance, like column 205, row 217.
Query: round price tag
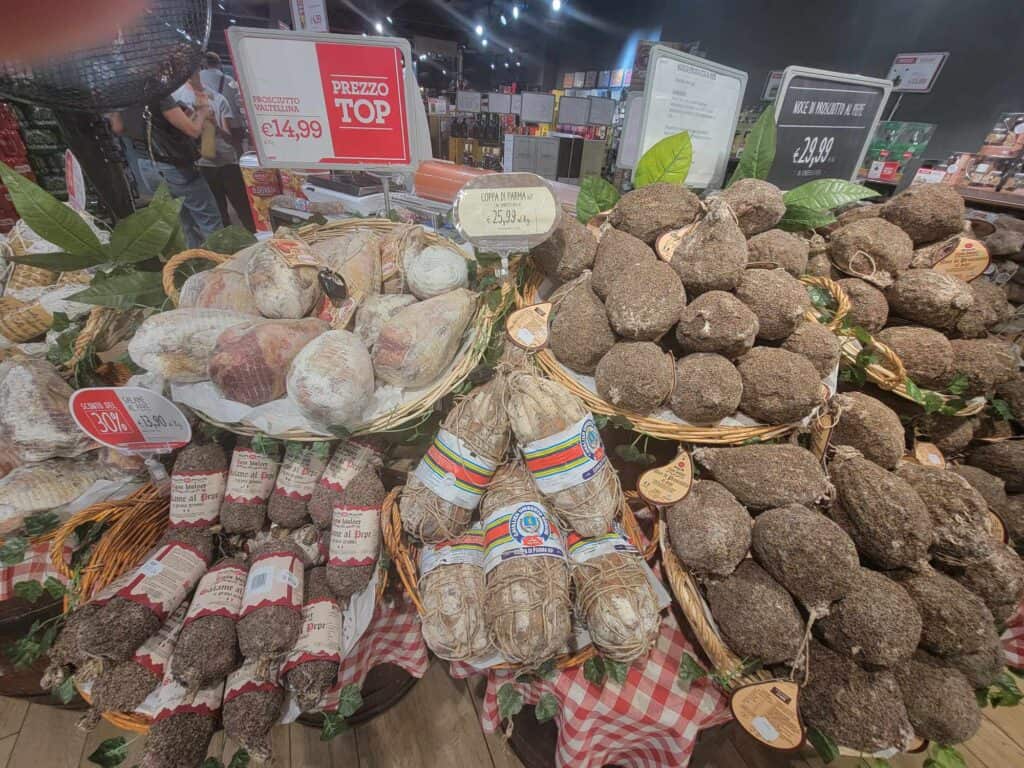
column 928, row 454
column 130, row 419
column 997, row 528
column 768, row 712
column 668, row 484
column 665, row 246
column 968, row 260
column 528, row 327
column 507, row 211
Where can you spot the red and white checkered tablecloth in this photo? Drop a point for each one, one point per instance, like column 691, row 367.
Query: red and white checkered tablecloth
column 35, row 567
column 650, row 722
column 1013, row 639
column 393, row 637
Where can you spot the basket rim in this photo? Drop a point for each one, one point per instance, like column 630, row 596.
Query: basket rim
column 659, row 428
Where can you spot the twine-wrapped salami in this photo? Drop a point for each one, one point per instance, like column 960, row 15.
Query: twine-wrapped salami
column 182, row 726
column 526, row 601
column 152, row 593
column 301, row 469
column 564, row 453
column 613, row 596
column 123, row 687
column 252, row 705
column 349, row 459
column 207, row 649
column 312, row 665
column 441, row 495
column 355, row 534
column 271, row 615
column 451, row 587
column 251, row 480
column 197, row 485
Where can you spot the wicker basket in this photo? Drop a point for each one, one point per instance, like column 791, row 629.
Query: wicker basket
column 482, row 324
column 404, row 555
column 22, row 321
column 660, row 428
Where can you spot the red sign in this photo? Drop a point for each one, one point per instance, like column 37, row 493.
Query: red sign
column 130, row 418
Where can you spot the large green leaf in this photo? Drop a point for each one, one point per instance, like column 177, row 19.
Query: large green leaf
column 140, row 236
column 547, row 707
column 229, row 240
column 171, row 209
column 61, row 262
column 799, row 218
column 111, row 752
column 510, row 701
column 823, row 745
column 668, row 160
column 48, row 217
column 124, row 290
column 759, row 149
column 827, row 194
column 596, row 195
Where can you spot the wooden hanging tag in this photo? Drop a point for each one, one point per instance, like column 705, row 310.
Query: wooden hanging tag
column 528, row 327
column 768, row 712
column 928, row 455
column 997, row 528
column 969, row 259
column 665, row 246
column 669, row 484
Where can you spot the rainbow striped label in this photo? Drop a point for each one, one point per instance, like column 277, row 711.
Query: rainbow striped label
column 520, row 530
column 583, row 548
column 467, row 549
column 565, row 459
column 453, row 471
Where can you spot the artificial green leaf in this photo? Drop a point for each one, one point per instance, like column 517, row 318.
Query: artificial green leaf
column 914, row 391
column 124, row 290
column 40, row 523
column 28, row 590
column 510, row 701
column 110, row 752
column 334, row 724
column 66, row 690
column 634, row 455
column 1001, row 408
column 594, row 671
column 600, row 420
column 547, row 670
column 758, row 150
column 13, row 550
column 229, row 241
column 140, row 236
column 596, row 195
column 54, row 588
column 940, row 756
column 621, row 422
column 212, row 762
column 958, row 385
column 61, row 262
column 1004, row 692
column 933, row 401
column 47, row 638
column 547, row 707
column 669, row 161
column 48, row 217
column 240, row 759
column 23, row 652
column 823, row 745
column 826, row 194
column 61, row 322
column 799, row 218
column 350, row 699
column 690, row 671
column 617, row 670
column 862, row 335
column 171, row 210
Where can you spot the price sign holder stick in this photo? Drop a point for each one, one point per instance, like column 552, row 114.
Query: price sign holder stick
column 385, row 180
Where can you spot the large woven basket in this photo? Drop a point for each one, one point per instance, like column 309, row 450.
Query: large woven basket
column 404, row 554
column 22, row 321
column 482, row 326
column 663, row 429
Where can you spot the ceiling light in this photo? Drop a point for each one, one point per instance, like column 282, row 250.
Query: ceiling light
column 478, row 29
column 389, row 20
column 510, row 50
column 556, row 5
column 517, row 64
column 423, row 57
column 444, row 71
column 506, row 65
column 484, row 42
column 492, row 66
column 380, row 27
column 515, row 11
column 233, row 21
column 503, row 20
column 365, row 35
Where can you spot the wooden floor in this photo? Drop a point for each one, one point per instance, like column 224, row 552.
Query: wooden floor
column 437, row 726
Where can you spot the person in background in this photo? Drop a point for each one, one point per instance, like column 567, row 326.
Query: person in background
column 163, row 132
column 215, row 80
column 220, row 169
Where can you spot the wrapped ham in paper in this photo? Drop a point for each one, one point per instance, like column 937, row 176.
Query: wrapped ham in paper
column 222, row 288
column 178, row 344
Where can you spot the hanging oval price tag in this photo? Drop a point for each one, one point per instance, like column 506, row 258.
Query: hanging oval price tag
column 968, row 259
column 768, row 711
column 506, row 212
column 528, row 327
column 668, row 484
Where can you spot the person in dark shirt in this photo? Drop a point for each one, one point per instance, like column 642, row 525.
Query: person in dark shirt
column 165, row 133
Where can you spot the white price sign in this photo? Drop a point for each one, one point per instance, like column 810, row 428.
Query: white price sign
column 507, row 210
column 130, row 419
column 916, row 72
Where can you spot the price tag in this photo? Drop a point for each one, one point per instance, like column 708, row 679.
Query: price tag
column 130, row 419
column 668, row 484
column 768, row 712
column 928, row 454
column 968, row 260
column 528, row 327
column 295, row 253
column 667, row 243
column 997, row 528
column 74, row 180
column 506, row 211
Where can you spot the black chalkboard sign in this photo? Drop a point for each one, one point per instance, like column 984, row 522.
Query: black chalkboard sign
column 823, row 125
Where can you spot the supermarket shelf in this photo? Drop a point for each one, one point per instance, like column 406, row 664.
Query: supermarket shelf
column 994, row 199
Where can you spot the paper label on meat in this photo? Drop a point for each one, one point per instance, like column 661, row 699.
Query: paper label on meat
column 520, row 530
column 219, row 593
column 347, row 461
column 567, row 458
column 251, row 477
column 156, row 651
column 355, row 536
column 274, row 579
column 247, row 679
column 320, row 636
column 196, row 497
column 454, row 471
column 170, row 699
column 162, row 582
column 584, row 548
column 302, row 467
column 111, row 590
column 467, row 549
